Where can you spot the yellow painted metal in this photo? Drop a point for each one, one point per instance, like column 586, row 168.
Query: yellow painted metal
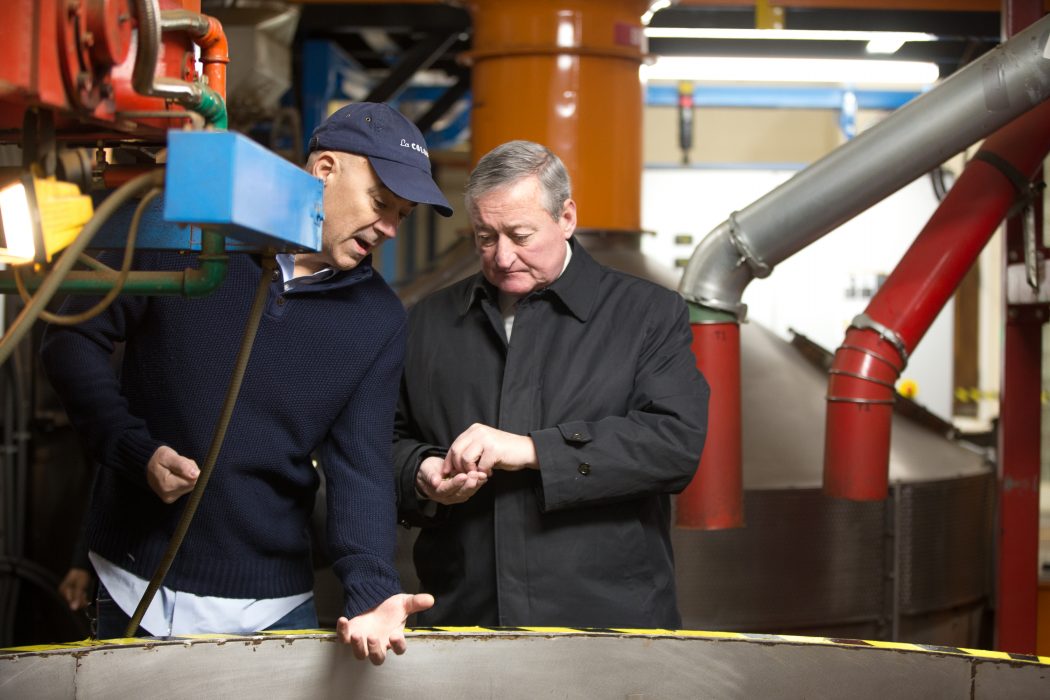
column 565, row 73
column 768, row 15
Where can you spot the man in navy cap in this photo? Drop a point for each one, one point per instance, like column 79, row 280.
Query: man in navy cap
column 322, row 381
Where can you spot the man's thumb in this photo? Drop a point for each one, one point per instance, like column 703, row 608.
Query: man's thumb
column 419, row 602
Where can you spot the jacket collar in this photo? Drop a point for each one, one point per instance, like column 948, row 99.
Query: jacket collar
column 577, row 287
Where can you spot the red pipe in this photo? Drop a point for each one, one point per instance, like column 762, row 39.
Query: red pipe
column 860, row 389
column 714, row 499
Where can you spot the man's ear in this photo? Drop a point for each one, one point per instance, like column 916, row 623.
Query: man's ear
column 567, row 221
column 324, row 164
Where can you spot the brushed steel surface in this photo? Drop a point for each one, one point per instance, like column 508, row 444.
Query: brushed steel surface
column 517, row 665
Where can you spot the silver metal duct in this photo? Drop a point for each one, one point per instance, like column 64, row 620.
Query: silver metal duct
column 968, row 106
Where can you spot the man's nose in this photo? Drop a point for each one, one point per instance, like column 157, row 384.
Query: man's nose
column 387, row 225
column 504, row 254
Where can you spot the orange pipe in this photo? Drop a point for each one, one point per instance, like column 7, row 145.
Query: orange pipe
column 215, row 54
column 565, row 74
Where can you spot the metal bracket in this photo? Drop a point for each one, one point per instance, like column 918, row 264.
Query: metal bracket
column 1027, row 193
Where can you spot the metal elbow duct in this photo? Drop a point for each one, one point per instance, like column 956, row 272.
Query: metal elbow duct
column 974, row 102
column 861, row 383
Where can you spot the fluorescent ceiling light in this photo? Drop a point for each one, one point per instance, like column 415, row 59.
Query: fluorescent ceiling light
column 781, row 34
column 792, row 70
column 878, row 42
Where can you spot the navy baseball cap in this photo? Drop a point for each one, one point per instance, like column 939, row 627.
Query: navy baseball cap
column 392, row 144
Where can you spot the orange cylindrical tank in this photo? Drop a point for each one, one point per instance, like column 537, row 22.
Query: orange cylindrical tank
column 565, row 74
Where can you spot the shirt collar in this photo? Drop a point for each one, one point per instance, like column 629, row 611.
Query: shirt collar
column 577, row 286
column 322, row 280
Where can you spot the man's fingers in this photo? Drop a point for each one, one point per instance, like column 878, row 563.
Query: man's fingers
column 376, row 651
column 359, row 646
column 398, row 644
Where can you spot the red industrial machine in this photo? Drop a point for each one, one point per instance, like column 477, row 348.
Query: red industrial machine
column 78, row 59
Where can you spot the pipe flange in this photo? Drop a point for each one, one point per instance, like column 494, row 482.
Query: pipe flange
column 865, row 322
column 758, row 267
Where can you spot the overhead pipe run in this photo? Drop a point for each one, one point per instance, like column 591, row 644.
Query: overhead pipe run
column 972, row 103
column 866, row 366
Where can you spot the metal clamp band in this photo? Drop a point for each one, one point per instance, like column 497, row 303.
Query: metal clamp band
column 843, row 373
column 758, row 267
column 868, row 402
column 865, row 322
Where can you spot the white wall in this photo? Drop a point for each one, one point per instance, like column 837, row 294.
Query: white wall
column 820, row 289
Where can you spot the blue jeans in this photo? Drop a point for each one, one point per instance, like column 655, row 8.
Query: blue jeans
column 112, row 621
column 303, row 617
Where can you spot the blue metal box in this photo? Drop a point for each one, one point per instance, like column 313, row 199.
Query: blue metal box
column 226, row 181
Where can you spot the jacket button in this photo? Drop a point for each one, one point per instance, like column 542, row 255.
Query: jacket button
column 280, row 301
column 584, row 469
column 276, row 276
column 577, row 437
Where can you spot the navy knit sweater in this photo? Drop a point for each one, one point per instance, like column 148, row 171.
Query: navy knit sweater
column 322, row 380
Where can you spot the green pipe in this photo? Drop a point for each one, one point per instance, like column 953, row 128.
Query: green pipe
column 212, row 108
column 705, row 314
column 212, row 270
column 198, row 282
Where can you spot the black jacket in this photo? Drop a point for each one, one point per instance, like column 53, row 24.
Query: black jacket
column 600, row 373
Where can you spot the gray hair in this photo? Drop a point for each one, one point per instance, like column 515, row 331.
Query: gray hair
column 513, row 161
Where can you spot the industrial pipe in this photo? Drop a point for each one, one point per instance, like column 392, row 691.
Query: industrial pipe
column 972, row 103
column 861, row 386
column 564, row 73
column 191, row 282
column 194, row 96
column 975, row 101
column 714, row 498
column 207, row 33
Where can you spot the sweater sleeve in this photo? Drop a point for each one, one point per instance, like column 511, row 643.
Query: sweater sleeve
column 362, row 516
column 654, row 448
column 78, row 361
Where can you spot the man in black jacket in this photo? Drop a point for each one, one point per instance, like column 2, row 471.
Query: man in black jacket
column 549, row 408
